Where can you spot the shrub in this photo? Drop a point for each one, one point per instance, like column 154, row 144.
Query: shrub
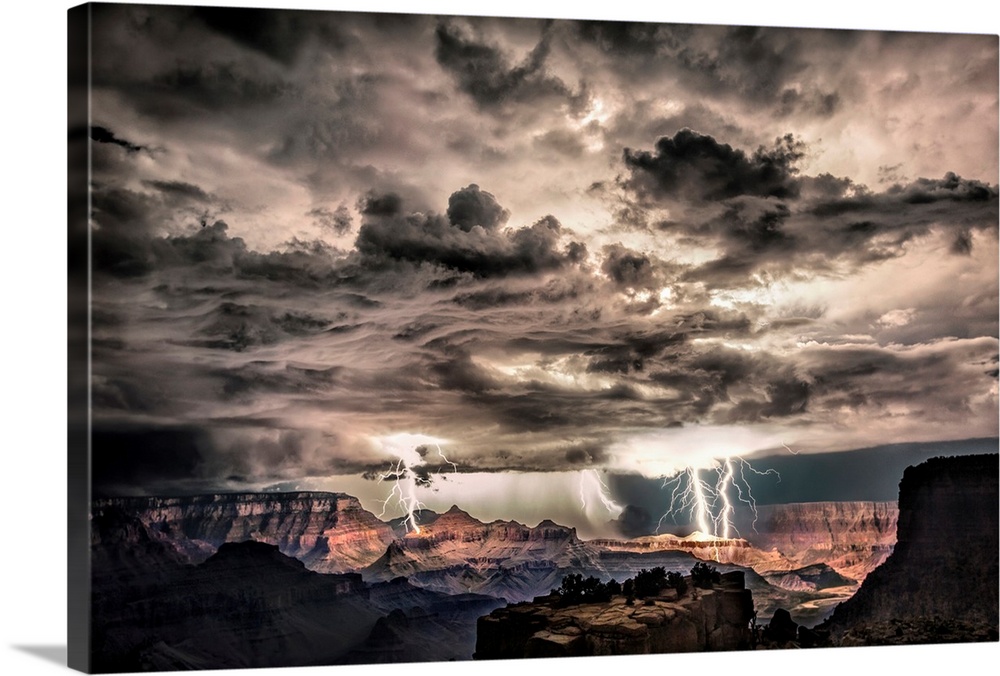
column 677, row 581
column 650, row 582
column 704, row 576
column 575, row 590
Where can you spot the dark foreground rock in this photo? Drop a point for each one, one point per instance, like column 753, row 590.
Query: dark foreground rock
column 940, row 583
column 699, row 620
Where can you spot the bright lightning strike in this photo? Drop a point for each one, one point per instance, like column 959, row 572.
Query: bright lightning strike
column 723, row 520
column 591, row 482
column 711, row 507
column 410, row 451
column 443, row 457
column 404, row 492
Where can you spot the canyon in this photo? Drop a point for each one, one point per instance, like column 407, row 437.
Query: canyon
column 232, row 580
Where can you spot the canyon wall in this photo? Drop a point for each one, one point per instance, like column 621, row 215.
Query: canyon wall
column 329, row 532
column 943, row 575
column 853, row 538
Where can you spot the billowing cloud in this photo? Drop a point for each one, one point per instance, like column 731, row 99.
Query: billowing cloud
column 483, row 72
column 693, row 166
column 553, row 246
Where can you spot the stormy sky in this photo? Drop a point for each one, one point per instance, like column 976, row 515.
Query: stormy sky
column 519, row 253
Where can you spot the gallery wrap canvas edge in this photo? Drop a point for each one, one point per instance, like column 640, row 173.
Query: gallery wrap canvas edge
column 78, row 387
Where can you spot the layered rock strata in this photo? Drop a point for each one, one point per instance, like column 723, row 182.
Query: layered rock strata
column 853, row 538
column 329, row 532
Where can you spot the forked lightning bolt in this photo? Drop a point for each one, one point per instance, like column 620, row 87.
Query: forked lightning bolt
column 403, row 495
column 406, row 499
column 592, row 478
column 711, row 506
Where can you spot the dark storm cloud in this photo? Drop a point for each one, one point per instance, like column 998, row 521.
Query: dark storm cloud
column 585, row 454
column 222, row 319
column 962, row 244
column 761, row 214
column 693, row 166
column 923, row 191
column 876, row 225
column 384, row 204
column 280, row 35
column 191, row 90
column 553, row 292
column 818, row 103
column 460, row 373
column 631, row 37
column 338, row 222
column 262, row 378
column 728, row 386
column 102, row 135
column 761, row 64
column 454, row 244
column 627, row 268
column 471, row 206
column 733, row 64
column 485, row 73
column 180, row 189
column 125, row 249
column 232, row 326
column 856, row 377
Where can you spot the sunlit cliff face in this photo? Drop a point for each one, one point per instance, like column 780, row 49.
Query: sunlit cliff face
column 437, row 260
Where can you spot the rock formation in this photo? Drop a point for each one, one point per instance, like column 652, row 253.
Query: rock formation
column 940, row 583
column 329, row 532
column 697, row 620
column 456, row 553
column 246, row 605
column 853, row 538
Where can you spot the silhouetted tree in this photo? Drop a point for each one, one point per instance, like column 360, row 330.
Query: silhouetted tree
column 704, row 576
column 650, row 582
column 676, row 581
column 575, row 590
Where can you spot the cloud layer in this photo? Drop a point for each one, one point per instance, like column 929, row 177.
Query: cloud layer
column 554, row 246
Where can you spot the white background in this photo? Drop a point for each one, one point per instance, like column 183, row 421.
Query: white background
column 33, row 330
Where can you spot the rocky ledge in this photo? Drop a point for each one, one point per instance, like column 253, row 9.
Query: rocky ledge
column 697, row 620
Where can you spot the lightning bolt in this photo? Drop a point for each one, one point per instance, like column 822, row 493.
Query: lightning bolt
column 723, row 520
column 790, row 450
column 689, row 495
column 592, row 478
column 443, row 457
column 405, row 497
column 711, row 507
column 410, row 451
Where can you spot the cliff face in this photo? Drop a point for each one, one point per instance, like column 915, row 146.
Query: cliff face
column 456, row 537
column 853, row 538
column 456, row 553
column 945, row 563
column 700, row 620
column 329, row 532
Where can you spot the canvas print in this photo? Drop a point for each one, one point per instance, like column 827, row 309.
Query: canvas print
column 413, row 338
